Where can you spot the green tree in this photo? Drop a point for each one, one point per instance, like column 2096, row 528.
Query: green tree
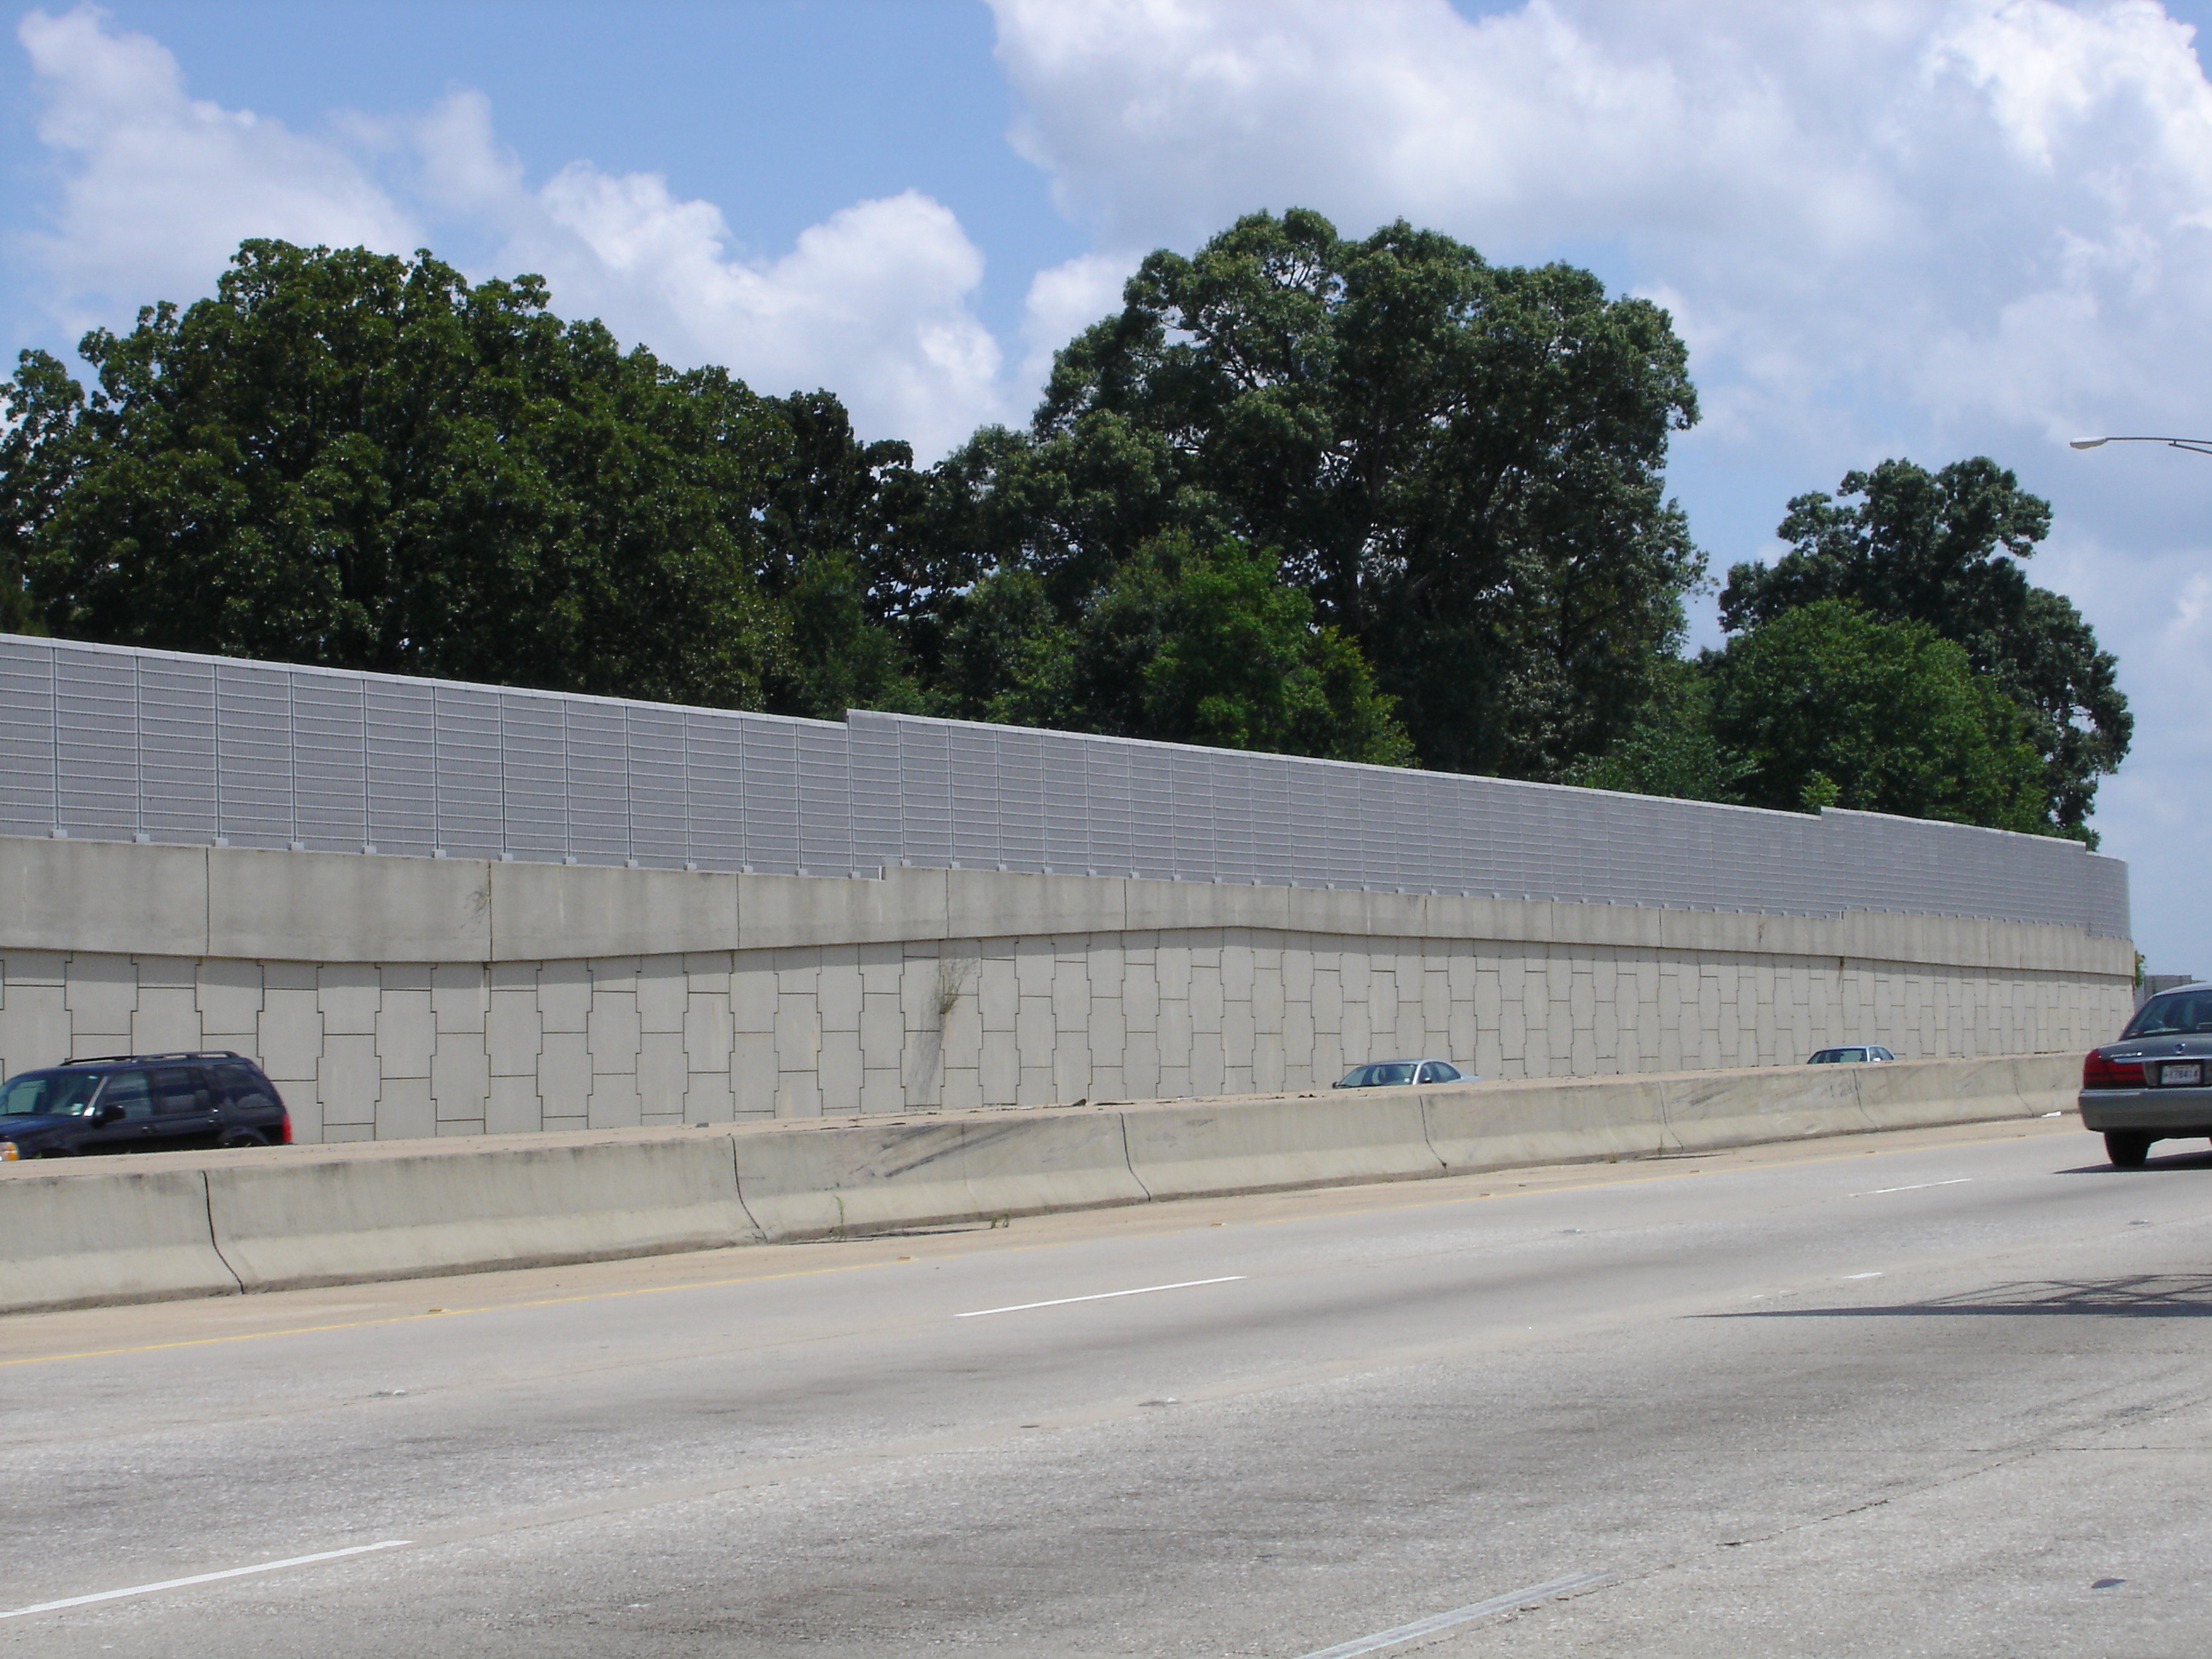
column 1834, row 705
column 39, row 411
column 1186, row 642
column 1460, row 464
column 354, row 459
column 842, row 554
column 1670, row 748
column 1944, row 549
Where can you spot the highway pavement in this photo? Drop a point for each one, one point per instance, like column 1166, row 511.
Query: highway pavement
column 1940, row 1392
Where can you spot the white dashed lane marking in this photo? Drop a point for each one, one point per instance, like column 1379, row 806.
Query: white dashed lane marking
column 1102, row 1295
column 205, row 1577
column 1444, row 1621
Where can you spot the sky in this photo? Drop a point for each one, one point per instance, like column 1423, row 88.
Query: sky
column 1886, row 227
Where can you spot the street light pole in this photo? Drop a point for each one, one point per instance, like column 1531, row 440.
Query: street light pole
column 2194, row 445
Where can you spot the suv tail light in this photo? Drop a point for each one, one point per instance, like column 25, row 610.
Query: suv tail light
column 284, row 1123
column 2097, row 1072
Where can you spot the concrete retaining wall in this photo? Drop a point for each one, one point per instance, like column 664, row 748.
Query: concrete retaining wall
column 403, row 998
column 179, row 1225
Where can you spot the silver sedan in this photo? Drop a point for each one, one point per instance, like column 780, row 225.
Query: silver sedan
column 1396, row 1073
column 2151, row 1085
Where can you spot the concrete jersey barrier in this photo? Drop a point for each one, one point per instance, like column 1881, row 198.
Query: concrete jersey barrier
column 183, row 1224
column 1499, row 1126
column 333, row 1222
column 821, row 1182
column 1731, row 1108
column 2004, row 1085
column 89, row 1237
column 1263, row 1146
column 1505, row 1126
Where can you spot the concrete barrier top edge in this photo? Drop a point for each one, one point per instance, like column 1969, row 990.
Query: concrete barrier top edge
column 465, row 1146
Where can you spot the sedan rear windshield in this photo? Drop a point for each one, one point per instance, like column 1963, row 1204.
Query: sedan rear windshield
column 1379, row 1075
column 49, row 1094
column 2175, row 1014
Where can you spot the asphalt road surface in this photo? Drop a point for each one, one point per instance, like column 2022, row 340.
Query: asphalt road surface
column 1940, row 1392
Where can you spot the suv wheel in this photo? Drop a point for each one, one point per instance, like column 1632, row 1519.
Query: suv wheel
column 241, row 1138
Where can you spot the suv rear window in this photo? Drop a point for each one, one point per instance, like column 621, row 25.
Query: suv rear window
column 176, row 1090
column 244, row 1086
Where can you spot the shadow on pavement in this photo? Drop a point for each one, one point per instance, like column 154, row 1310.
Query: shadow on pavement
column 2139, row 1296
column 2177, row 1162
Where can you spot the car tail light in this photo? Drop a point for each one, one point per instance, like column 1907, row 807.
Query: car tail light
column 284, row 1123
column 2097, row 1072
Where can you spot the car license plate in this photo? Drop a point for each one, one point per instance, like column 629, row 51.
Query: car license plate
column 2189, row 1075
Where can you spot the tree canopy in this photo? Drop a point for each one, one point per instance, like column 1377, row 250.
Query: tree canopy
column 1833, row 706
column 1185, row 642
column 354, row 460
column 1369, row 499
column 1461, row 463
column 1670, row 748
column 1943, row 549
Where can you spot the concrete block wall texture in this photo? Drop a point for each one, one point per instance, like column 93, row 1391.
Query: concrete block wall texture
column 797, row 998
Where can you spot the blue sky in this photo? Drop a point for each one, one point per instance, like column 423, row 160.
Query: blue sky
column 1927, row 229
column 778, row 111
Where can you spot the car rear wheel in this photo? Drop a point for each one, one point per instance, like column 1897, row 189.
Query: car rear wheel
column 242, row 1137
column 2126, row 1148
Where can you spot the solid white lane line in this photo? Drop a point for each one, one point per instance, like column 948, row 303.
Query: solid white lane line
column 1435, row 1622
column 207, row 1578
column 1917, row 1187
column 1102, row 1295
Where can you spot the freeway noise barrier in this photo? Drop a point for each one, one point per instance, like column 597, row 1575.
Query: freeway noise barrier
column 189, row 1224
column 116, row 743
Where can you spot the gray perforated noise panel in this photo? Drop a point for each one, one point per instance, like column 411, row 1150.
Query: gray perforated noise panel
column 111, row 743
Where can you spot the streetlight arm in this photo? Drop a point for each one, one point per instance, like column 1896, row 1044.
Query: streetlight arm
column 2194, row 445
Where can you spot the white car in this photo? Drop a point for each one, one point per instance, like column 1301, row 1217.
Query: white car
column 1397, row 1074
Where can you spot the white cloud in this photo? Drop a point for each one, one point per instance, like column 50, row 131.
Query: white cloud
column 1066, row 298
column 1951, row 199
column 872, row 303
column 157, row 189
column 1923, row 227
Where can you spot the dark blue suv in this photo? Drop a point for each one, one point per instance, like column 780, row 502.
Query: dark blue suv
column 141, row 1104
